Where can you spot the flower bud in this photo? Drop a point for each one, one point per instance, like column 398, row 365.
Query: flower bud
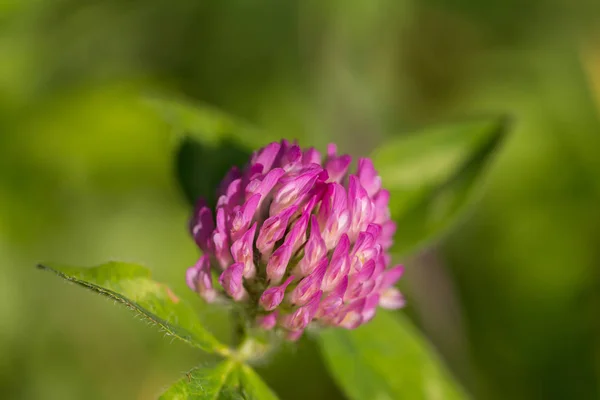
column 272, row 230
column 314, row 250
column 278, row 263
column 198, row 278
column 231, row 280
column 272, row 297
column 243, row 253
column 300, row 318
column 339, row 266
column 267, row 322
column 309, row 285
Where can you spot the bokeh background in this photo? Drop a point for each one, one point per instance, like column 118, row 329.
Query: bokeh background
column 511, row 298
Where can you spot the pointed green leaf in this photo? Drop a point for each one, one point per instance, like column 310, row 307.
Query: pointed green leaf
column 433, row 175
column 131, row 285
column 206, row 123
column 217, row 383
column 386, row 359
column 228, row 380
column 252, row 385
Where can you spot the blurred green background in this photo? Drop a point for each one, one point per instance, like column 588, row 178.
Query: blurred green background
column 511, row 298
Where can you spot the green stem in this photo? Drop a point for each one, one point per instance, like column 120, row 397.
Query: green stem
column 252, row 350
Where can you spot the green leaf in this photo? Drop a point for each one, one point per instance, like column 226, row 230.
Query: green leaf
column 201, row 167
column 206, row 123
column 386, row 359
column 131, row 285
column 433, row 176
column 252, row 385
column 206, row 383
column 211, row 142
column 228, row 380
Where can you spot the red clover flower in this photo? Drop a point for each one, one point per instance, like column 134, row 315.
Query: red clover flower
column 296, row 240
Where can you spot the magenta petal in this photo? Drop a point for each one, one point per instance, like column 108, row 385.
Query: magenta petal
column 341, row 288
column 265, row 185
column 309, row 285
column 364, row 243
column 337, row 167
column 202, row 225
column 333, row 303
column 368, row 176
column 382, row 211
column 392, row 299
column 312, row 201
column 366, row 272
column 221, row 220
column 232, row 281
column 232, row 175
column 371, row 303
column 334, row 217
column 311, row 156
column 272, row 230
column 293, row 190
column 232, row 196
column 331, row 150
column 253, row 172
column 366, row 248
column 379, row 266
column 360, row 205
column 267, row 322
column 266, row 156
column 388, row 229
column 272, row 297
column 297, row 234
column 243, row 218
column 293, row 336
column 330, row 306
column 199, row 279
column 278, row 263
column 291, row 158
column 375, row 230
column 243, row 252
column 361, row 282
column 391, row 276
column 314, row 250
column 351, row 317
column 300, row 318
column 339, row 266
column 222, row 250
column 367, row 288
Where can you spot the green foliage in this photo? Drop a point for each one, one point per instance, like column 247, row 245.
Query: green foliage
column 432, row 176
column 206, row 123
column 211, row 142
column 214, row 382
column 131, row 285
column 252, row 386
column 77, row 154
column 386, row 359
column 200, row 167
column 227, row 380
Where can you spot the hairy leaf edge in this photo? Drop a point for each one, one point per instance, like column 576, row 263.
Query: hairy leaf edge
column 182, row 335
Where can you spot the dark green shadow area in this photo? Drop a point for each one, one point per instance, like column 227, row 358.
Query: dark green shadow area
column 200, row 167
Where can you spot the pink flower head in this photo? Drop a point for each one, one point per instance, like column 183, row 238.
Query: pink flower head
column 299, row 238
